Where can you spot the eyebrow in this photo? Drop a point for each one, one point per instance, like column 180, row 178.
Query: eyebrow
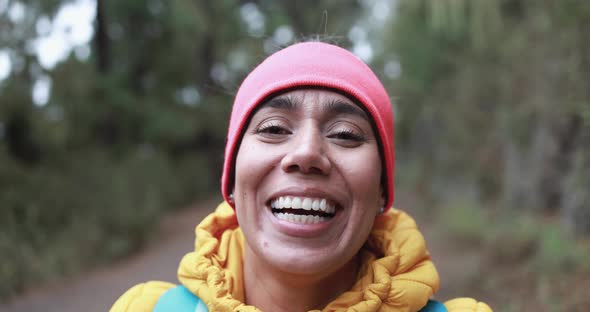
column 333, row 105
column 342, row 107
column 282, row 102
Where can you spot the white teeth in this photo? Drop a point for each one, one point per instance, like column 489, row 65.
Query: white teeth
column 305, row 219
column 315, row 205
column 305, row 203
column 296, row 203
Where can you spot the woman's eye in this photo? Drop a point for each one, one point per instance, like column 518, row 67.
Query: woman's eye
column 347, row 135
column 272, row 129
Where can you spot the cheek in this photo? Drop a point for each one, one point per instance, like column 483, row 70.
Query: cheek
column 253, row 163
column 245, row 171
column 246, row 180
column 365, row 172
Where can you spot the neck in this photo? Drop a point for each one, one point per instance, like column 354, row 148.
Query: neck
column 270, row 289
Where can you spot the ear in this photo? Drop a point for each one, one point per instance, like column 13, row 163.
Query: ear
column 231, row 197
column 381, row 207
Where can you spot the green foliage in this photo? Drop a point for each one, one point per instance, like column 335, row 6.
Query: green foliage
column 512, row 238
column 529, row 261
column 494, row 92
column 91, row 210
column 559, row 252
column 516, row 238
column 465, row 221
column 132, row 131
column 493, row 133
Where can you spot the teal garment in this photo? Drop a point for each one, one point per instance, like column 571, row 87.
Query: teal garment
column 180, row 298
column 434, row 306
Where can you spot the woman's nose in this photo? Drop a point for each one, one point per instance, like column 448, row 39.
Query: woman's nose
column 307, row 154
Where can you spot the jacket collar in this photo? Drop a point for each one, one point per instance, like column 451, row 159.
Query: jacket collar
column 397, row 273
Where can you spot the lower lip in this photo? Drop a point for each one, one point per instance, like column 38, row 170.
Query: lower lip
column 301, row 229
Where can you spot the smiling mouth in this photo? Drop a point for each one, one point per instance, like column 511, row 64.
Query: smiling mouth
column 303, row 210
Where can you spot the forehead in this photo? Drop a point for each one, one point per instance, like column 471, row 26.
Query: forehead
column 315, row 100
column 314, row 94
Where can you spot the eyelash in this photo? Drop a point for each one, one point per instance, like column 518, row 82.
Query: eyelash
column 348, row 134
column 271, row 128
column 344, row 134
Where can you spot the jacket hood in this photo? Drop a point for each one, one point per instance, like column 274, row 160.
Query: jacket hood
column 397, row 273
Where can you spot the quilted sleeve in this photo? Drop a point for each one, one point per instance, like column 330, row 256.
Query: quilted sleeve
column 466, row 305
column 141, row 298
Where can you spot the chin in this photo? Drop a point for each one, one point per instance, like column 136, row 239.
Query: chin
column 302, row 261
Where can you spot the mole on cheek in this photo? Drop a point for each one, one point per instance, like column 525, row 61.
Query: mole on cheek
column 265, row 244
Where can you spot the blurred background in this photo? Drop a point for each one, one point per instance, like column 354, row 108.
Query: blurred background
column 113, row 114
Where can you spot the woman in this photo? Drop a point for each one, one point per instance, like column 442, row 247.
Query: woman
column 307, row 182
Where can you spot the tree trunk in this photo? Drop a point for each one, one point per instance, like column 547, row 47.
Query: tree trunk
column 102, row 42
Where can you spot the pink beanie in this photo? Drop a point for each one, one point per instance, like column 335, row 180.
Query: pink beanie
column 312, row 64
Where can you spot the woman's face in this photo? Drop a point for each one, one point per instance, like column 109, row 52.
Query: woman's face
column 307, row 185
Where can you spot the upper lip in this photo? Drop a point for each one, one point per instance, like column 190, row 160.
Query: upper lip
column 305, row 192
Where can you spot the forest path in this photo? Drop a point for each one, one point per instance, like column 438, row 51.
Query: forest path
column 97, row 290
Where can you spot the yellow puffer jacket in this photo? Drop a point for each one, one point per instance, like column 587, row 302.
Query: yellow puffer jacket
column 397, row 273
